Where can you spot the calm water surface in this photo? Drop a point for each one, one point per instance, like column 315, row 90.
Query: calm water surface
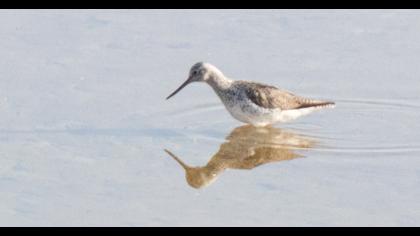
column 87, row 137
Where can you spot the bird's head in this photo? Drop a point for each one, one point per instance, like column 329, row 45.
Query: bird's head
column 199, row 72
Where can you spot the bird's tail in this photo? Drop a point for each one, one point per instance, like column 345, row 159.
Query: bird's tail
column 316, row 104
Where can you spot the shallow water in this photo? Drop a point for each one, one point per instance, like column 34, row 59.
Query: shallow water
column 84, row 123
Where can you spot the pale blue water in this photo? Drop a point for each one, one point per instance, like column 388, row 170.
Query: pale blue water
column 84, row 120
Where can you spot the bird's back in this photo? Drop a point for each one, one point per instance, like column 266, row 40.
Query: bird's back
column 270, row 97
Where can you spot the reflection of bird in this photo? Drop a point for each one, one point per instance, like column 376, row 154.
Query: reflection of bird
column 253, row 103
column 247, row 147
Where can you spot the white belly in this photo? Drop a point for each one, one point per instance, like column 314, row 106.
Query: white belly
column 257, row 116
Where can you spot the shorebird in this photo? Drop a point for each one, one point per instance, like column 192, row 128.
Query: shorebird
column 250, row 102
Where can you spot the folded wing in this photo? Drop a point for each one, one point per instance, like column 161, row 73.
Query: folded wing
column 270, row 97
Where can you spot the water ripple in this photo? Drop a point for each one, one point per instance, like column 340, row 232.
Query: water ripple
column 340, row 139
column 379, row 102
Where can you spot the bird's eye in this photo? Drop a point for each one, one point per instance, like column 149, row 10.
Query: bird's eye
column 195, row 72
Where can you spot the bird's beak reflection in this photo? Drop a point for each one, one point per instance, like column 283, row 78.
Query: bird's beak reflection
column 181, row 163
column 247, row 147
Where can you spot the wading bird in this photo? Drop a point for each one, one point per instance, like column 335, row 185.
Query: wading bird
column 251, row 102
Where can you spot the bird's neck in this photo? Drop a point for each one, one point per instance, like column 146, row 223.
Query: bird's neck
column 219, row 82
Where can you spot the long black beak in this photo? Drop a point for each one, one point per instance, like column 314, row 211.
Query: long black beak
column 180, row 87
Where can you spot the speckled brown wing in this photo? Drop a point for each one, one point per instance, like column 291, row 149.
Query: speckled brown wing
column 270, row 97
